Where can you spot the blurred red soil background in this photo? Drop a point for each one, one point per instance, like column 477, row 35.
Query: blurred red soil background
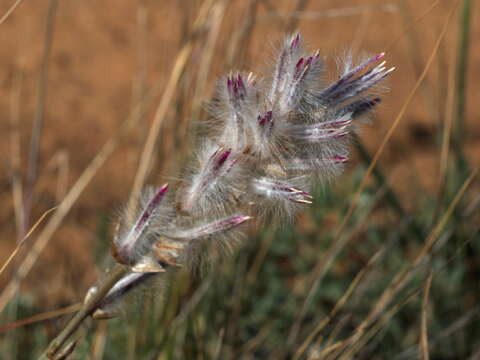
column 106, row 54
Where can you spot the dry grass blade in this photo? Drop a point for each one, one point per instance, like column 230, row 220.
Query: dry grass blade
column 396, row 122
column 138, row 87
column 218, row 12
column 412, row 24
column 63, row 168
column 22, row 241
column 17, row 186
column 59, row 167
column 41, row 317
column 66, row 351
column 414, row 46
column 447, row 129
column 69, row 200
column 300, row 6
column 218, row 346
column 57, row 219
column 326, row 261
column 406, row 274
column 254, row 342
column 10, row 11
column 192, row 303
column 457, row 325
column 462, row 78
column 325, row 352
column 87, row 308
column 362, row 30
column 384, row 320
column 162, row 109
column 138, row 91
column 424, row 353
column 240, row 39
column 148, row 150
column 476, row 354
column 339, row 304
column 37, row 127
column 99, row 342
column 334, row 12
column 320, row 265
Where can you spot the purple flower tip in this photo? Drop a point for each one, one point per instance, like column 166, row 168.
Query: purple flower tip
column 236, row 88
column 163, row 189
column 306, row 194
column 240, row 219
column 210, row 229
column 221, row 156
column 295, row 41
column 299, row 64
column 266, row 119
column 152, row 205
column 299, row 196
column 339, row 159
column 241, row 84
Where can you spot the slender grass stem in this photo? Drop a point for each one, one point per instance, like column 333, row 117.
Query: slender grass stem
column 88, row 307
column 461, row 86
column 40, row 109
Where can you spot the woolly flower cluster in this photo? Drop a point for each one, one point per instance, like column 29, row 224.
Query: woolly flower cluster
column 271, row 139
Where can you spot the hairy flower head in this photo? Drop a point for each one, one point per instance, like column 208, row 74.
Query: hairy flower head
column 272, row 137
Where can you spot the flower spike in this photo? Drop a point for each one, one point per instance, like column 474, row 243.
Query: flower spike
column 270, row 140
column 124, row 246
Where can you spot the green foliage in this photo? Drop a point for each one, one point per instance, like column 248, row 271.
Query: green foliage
column 251, row 317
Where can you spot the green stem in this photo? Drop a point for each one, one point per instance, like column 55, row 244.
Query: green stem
column 462, row 70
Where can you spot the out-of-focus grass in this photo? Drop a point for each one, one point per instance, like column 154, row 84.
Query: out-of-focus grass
column 252, row 304
column 237, row 316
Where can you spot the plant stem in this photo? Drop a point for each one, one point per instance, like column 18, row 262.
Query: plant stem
column 462, row 64
column 88, row 308
column 37, row 127
column 462, row 70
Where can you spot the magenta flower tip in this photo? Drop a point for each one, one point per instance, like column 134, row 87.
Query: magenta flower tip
column 299, row 63
column 339, row 159
column 151, row 207
column 241, row 84
column 266, row 119
column 241, row 219
column 222, row 157
column 295, row 41
column 163, row 188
